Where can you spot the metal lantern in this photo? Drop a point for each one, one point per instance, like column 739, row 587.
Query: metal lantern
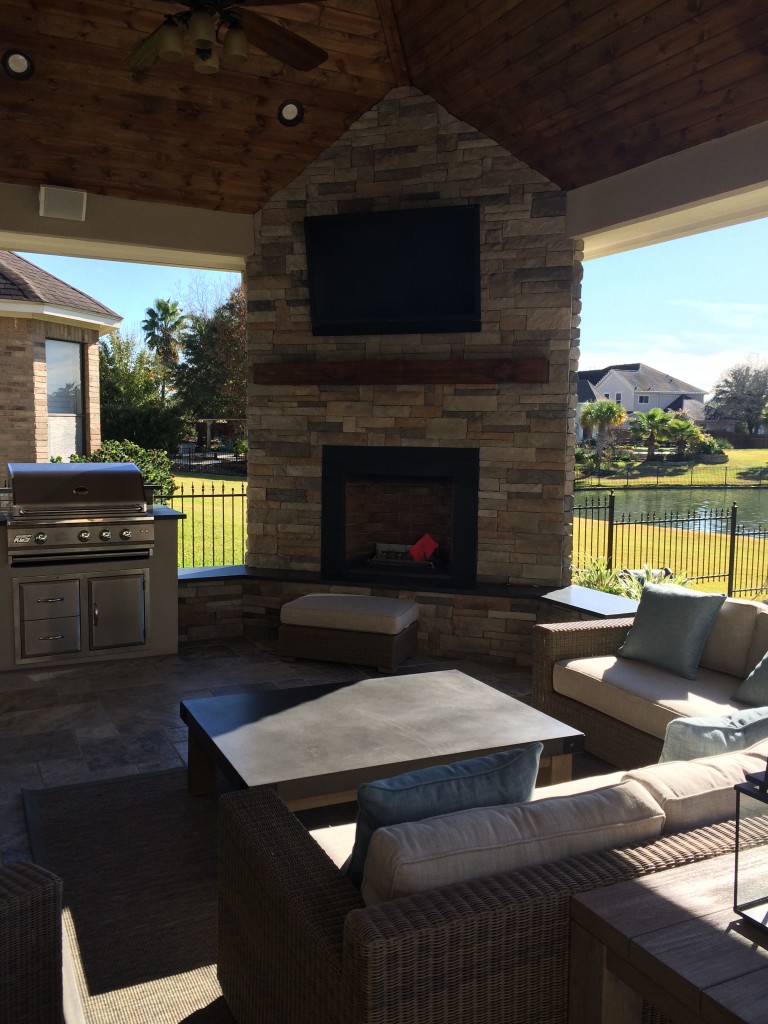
column 750, row 887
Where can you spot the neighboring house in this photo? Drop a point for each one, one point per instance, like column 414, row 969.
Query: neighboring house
column 49, row 347
column 638, row 388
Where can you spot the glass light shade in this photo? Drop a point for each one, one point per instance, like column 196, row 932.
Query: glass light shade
column 202, row 30
column 235, row 49
column 206, row 61
column 169, row 42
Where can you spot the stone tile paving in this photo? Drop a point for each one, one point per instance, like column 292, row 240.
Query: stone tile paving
column 80, row 723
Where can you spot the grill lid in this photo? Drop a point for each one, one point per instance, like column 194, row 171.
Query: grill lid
column 67, row 489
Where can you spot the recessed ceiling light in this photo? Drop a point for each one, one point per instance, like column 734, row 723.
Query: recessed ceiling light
column 290, row 112
column 18, row 64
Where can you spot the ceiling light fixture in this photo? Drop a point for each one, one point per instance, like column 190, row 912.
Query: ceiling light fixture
column 290, row 112
column 18, row 64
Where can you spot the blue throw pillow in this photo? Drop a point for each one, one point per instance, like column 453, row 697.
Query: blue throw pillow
column 754, row 689
column 503, row 778
column 688, row 738
column 670, row 627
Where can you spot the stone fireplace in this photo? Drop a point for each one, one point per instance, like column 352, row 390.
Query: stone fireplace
column 397, row 401
column 378, row 502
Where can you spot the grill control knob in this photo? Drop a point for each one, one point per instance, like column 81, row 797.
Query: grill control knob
column 84, row 535
column 41, row 538
column 105, row 534
column 125, row 534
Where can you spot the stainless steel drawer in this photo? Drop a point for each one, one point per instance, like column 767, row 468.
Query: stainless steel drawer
column 54, row 599
column 50, row 636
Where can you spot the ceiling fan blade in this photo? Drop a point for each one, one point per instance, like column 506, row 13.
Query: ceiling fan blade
column 279, row 42
column 144, row 54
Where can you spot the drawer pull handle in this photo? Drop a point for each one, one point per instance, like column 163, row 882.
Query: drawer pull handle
column 50, row 600
column 55, row 636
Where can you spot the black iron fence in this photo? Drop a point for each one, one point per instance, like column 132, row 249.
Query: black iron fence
column 211, row 461
column 670, row 474
column 213, row 531
column 706, row 547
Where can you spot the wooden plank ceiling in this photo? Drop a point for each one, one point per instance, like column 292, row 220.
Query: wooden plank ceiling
column 579, row 89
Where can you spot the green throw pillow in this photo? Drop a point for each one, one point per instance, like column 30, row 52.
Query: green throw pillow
column 506, row 777
column 670, row 627
column 754, row 689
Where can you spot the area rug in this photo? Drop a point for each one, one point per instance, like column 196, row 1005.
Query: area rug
column 138, row 860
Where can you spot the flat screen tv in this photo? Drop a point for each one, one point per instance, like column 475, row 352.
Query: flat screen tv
column 397, row 272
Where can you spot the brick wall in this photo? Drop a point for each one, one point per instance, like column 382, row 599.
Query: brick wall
column 23, row 391
column 408, row 151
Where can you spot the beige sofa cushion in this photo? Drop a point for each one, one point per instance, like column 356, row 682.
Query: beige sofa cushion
column 730, row 638
column 422, row 855
column 641, row 695
column 700, row 792
column 759, row 644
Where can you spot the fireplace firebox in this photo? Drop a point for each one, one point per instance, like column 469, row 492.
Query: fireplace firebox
column 379, row 503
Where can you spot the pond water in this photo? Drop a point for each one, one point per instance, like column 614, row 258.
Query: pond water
column 752, row 502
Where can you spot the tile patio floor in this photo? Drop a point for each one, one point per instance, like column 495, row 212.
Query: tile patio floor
column 79, row 723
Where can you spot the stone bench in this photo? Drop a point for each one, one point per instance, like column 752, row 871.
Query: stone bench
column 379, row 632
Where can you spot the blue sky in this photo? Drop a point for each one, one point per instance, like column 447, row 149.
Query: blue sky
column 693, row 307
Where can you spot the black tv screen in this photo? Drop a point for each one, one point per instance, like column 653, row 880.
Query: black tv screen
column 398, row 272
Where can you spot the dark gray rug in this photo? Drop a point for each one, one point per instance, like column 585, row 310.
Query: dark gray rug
column 138, row 860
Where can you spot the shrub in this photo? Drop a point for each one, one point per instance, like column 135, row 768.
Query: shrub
column 154, row 464
column 596, row 575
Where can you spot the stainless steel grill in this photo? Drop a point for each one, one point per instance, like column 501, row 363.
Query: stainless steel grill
column 66, row 512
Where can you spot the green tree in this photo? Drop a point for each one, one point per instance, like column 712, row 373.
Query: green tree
column 163, row 328
column 132, row 406
column 598, row 418
column 212, row 379
column 741, row 394
column 683, row 434
column 650, row 428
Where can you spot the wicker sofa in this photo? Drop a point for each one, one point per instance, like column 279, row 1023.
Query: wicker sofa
column 30, row 945
column 298, row 945
column 623, row 707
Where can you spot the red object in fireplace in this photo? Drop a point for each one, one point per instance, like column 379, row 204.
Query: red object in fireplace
column 424, row 548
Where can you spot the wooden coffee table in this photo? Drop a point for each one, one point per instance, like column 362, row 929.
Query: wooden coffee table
column 315, row 745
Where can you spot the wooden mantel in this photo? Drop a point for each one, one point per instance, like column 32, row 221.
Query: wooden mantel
column 522, row 370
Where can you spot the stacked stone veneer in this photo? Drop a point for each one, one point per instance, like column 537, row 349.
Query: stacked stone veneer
column 407, row 152
column 23, row 389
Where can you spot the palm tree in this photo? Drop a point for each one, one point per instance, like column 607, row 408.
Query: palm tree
column 683, row 433
column 649, row 428
column 598, row 418
column 163, row 327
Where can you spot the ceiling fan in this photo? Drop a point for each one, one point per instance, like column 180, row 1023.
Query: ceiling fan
column 207, row 22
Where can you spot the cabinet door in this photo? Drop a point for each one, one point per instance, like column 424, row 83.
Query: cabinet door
column 116, row 610
column 43, row 637
column 49, row 599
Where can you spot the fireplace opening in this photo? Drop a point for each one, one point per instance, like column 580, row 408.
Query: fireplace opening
column 400, row 515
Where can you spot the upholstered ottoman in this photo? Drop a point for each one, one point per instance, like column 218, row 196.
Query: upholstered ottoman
column 374, row 631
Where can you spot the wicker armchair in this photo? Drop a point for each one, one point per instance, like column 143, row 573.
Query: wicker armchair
column 30, row 946
column 605, row 737
column 297, row 945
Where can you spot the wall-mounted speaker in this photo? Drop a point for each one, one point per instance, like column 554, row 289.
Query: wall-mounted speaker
column 64, row 203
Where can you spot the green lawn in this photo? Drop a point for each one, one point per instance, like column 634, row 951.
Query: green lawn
column 214, row 530
column 746, row 467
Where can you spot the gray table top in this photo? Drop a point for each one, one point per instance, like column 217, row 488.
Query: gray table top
column 336, row 738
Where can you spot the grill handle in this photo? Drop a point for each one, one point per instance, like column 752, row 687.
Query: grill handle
column 95, row 614
column 49, row 600
column 54, row 636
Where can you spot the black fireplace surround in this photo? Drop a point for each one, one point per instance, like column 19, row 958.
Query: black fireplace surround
column 456, row 467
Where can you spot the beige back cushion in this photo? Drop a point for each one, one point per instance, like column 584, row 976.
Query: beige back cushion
column 759, row 645
column 700, row 792
column 422, row 855
column 728, row 644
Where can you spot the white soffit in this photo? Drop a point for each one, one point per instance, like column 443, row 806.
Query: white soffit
column 711, row 186
column 58, row 315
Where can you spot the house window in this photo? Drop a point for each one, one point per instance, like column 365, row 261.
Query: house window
column 618, row 397
column 643, row 399
column 64, row 366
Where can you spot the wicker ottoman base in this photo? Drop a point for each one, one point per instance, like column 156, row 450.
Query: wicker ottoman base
column 382, row 651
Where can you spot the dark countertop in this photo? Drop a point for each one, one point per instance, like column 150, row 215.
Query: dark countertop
column 597, row 603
